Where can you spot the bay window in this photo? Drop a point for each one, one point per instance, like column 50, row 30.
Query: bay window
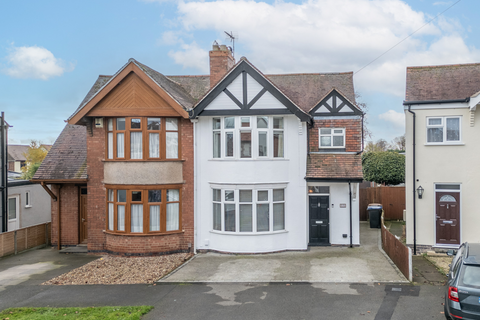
column 248, row 137
column 142, row 138
column 443, row 130
column 248, row 210
column 143, row 210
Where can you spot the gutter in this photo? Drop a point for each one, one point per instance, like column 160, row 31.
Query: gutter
column 414, row 187
column 409, row 103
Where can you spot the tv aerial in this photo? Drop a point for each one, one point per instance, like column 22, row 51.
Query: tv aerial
column 232, row 37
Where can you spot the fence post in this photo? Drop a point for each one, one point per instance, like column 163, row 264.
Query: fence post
column 15, row 240
column 46, row 234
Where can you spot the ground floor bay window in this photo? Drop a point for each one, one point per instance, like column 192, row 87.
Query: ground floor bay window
column 248, row 210
column 143, row 210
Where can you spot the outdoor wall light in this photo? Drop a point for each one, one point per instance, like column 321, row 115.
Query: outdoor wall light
column 420, row 192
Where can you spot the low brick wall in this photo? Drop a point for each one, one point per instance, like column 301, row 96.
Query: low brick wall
column 400, row 254
column 19, row 240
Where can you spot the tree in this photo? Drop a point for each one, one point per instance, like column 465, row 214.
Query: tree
column 363, row 106
column 34, row 156
column 384, row 167
column 398, row 143
column 380, row 145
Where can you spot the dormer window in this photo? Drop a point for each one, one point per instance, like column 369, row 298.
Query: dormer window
column 142, row 138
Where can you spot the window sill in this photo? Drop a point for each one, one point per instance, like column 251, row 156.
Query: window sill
column 29, row 206
column 141, row 160
column 248, row 233
column 445, row 144
column 122, row 234
column 248, row 159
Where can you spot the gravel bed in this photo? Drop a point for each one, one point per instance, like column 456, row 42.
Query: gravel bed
column 122, row 270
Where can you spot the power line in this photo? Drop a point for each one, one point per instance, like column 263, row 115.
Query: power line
column 411, row 34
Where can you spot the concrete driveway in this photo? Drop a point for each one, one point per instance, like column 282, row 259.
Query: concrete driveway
column 364, row 264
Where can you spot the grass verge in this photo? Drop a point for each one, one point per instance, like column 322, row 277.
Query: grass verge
column 90, row 313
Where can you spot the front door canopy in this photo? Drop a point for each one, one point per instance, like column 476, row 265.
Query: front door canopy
column 335, row 104
column 245, row 91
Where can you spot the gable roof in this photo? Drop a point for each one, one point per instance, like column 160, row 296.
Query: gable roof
column 446, row 82
column 16, row 151
column 175, row 95
column 244, row 68
column 67, row 159
column 335, row 104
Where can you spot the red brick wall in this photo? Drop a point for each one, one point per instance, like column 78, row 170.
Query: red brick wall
column 144, row 245
column 69, row 215
column 188, row 187
column 353, row 133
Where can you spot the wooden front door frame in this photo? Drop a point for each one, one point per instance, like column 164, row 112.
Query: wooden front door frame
column 460, row 218
column 82, row 225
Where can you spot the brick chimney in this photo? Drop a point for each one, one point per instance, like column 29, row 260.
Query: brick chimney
column 221, row 61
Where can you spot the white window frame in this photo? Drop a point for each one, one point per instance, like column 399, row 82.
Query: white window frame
column 28, row 199
column 331, row 135
column 237, row 130
column 443, row 126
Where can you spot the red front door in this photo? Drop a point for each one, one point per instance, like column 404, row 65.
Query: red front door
column 448, row 217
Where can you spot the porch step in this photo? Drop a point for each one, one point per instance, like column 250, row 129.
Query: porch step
column 75, row 249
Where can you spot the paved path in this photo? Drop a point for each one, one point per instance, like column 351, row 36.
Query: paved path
column 365, row 264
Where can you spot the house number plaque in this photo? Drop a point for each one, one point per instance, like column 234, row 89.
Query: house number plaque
column 343, row 205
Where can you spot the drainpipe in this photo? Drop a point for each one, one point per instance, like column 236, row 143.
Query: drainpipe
column 414, row 185
column 4, row 182
column 195, row 201
column 350, row 195
column 59, row 246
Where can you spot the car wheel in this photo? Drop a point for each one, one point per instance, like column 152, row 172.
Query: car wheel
column 446, row 312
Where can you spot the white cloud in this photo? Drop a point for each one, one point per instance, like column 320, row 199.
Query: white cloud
column 191, row 55
column 330, row 36
column 33, row 62
column 397, row 119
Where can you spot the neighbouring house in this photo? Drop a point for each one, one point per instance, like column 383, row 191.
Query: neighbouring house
column 256, row 163
column 441, row 146
column 277, row 159
column 16, row 157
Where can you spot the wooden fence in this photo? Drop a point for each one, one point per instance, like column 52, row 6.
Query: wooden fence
column 19, row 240
column 400, row 254
column 392, row 199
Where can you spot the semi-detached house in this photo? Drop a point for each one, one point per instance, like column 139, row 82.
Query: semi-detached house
column 236, row 161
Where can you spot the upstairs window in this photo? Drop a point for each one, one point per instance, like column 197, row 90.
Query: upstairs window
column 332, row 138
column 142, row 138
column 248, row 137
column 443, row 130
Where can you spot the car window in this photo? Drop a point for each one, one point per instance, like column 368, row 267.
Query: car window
column 470, row 276
column 456, row 267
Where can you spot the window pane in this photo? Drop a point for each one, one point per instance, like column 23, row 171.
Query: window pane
column 229, row 217
column 154, row 145
column 325, row 141
column 110, row 216
column 278, row 216
column 262, row 144
column 262, row 122
column 173, row 216
column 12, row 208
column 277, row 123
column 229, row 144
column 120, row 123
column 435, row 121
column 173, row 195
column 245, row 144
column 217, row 216
column 245, row 195
column 110, row 145
column 245, row 122
column 217, row 196
column 263, row 222
column 229, row 195
column 216, row 123
column 262, row 196
column 453, row 129
column 338, row 131
column 246, row 218
column 216, row 145
column 154, row 195
column 229, row 123
column 120, row 145
column 110, row 125
column 172, row 124
column 154, row 218
column 153, row 123
column 110, row 195
column 318, row 189
column 136, row 195
column 136, row 218
column 338, row 141
column 136, row 145
column 278, row 144
column 435, row 135
column 172, row 145
column 136, row 124
column 120, row 217
column 325, row 131
column 278, row 194
column 121, row 195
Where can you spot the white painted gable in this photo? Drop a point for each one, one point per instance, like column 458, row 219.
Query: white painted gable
column 236, row 88
column 253, row 88
column 346, row 108
column 322, row 109
column 222, row 102
column 268, row 101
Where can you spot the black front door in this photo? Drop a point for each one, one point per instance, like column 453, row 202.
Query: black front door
column 319, row 220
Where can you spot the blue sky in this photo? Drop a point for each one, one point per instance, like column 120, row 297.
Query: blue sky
column 51, row 52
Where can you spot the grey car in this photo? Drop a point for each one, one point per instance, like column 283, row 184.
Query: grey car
column 462, row 297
